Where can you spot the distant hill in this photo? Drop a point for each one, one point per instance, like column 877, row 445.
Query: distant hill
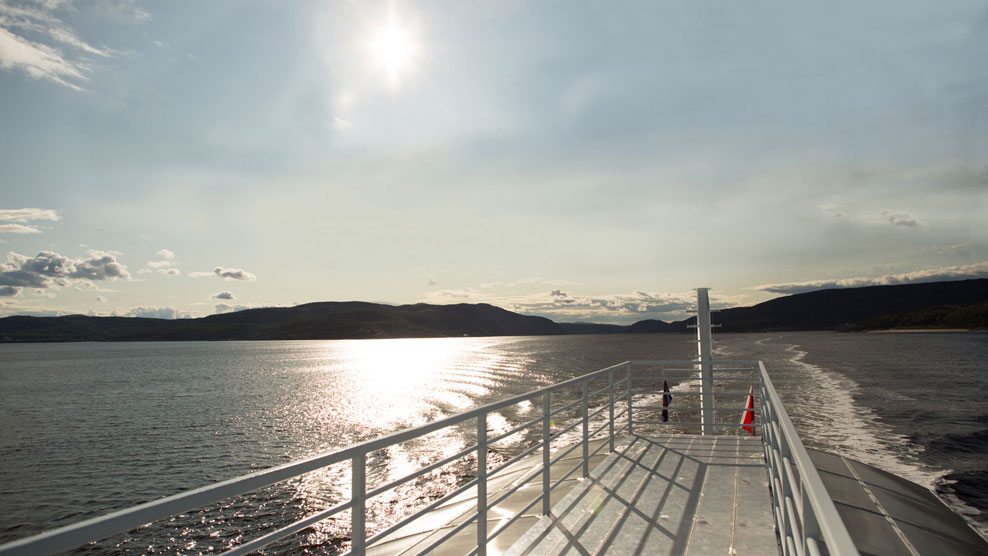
column 839, row 308
column 960, row 304
column 834, row 309
column 329, row 320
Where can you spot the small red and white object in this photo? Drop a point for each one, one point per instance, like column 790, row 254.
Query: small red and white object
column 748, row 416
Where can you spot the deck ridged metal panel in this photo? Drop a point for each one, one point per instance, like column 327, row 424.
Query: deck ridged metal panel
column 420, row 533
column 673, row 494
column 682, row 494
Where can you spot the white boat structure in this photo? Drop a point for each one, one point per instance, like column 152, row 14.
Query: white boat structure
column 618, row 478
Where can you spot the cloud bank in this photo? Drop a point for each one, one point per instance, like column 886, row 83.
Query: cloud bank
column 48, row 269
column 169, row 313
column 562, row 306
column 224, row 308
column 945, row 274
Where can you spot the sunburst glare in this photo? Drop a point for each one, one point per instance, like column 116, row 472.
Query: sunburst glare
column 394, row 49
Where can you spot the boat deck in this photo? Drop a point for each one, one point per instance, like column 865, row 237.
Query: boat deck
column 686, row 494
column 681, row 494
column 671, row 494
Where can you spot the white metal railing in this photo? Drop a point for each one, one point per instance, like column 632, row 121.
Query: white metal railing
column 624, row 398
column 805, row 514
column 606, row 398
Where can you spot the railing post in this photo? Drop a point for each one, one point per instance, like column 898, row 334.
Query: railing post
column 482, row 484
column 705, row 351
column 810, row 527
column 358, row 489
column 586, row 432
column 788, row 526
column 630, row 420
column 546, row 438
column 610, row 423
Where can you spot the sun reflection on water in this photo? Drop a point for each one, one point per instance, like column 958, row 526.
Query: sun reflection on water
column 371, row 387
column 395, row 378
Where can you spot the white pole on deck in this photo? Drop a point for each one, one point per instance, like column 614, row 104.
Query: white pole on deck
column 705, row 351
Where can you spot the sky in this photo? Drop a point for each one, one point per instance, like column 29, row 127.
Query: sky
column 583, row 161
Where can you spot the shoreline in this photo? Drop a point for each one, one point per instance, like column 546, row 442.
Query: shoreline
column 917, row 330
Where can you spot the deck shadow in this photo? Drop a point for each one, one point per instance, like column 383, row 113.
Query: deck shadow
column 661, row 495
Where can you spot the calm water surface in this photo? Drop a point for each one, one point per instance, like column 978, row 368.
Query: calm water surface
column 88, row 428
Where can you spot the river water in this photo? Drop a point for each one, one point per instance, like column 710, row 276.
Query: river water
column 90, row 428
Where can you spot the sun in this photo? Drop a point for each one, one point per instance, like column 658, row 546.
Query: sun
column 394, row 49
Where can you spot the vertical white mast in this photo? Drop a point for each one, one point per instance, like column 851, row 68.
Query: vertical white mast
column 705, row 351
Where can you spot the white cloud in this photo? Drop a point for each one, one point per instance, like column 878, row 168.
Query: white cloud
column 10, row 310
column 961, row 272
column 18, row 229
column 341, row 124
column 39, row 61
column 14, row 221
column 233, row 273
column 27, row 214
column 91, row 287
column 957, row 248
column 442, row 297
column 100, row 266
column 48, row 269
column 125, row 10
column 833, row 210
column 169, row 313
column 31, row 37
column 561, row 306
column 165, row 266
column 224, row 308
column 226, row 274
column 634, row 306
column 902, row 219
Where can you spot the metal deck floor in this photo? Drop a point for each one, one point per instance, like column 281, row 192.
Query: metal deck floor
column 682, row 494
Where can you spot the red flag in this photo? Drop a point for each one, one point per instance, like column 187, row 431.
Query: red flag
column 748, row 416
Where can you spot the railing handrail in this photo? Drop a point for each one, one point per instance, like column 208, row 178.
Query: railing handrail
column 816, row 510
